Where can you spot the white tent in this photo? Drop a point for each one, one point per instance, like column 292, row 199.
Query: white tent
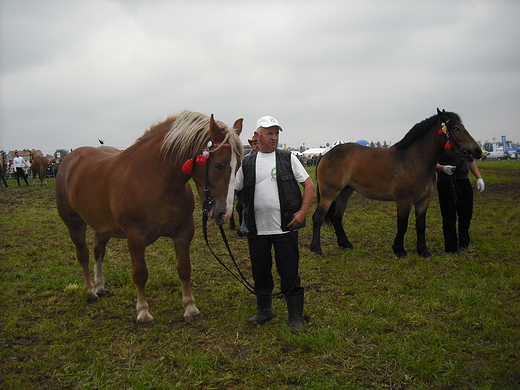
column 315, row 151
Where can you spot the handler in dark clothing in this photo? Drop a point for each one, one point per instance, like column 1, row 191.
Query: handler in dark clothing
column 273, row 211
column 456, row 198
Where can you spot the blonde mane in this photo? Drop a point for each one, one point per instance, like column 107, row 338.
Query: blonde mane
column 189, row 135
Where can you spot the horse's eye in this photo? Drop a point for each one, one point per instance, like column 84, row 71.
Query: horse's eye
column 219, row 166
column 456, row 128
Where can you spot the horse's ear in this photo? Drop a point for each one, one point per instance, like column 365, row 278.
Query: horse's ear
column 238, row 126
column 216, row 134
column 442, row 115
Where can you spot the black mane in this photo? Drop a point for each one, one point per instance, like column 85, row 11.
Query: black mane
column 420, row 129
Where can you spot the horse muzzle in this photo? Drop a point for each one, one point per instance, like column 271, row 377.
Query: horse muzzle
column 471, row 152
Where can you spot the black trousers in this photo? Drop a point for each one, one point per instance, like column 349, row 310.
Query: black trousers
column 20, row 173
column 287, row 257
column 456, row 203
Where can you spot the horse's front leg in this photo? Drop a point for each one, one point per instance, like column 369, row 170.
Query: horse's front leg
column 136, row 247
column 182, row 252
column 420, row 225
column 403, row 212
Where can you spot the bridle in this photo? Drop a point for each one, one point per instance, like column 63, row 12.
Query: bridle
column 450, row 141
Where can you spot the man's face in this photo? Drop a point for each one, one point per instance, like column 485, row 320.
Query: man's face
column 255, row 145
column 268, row 138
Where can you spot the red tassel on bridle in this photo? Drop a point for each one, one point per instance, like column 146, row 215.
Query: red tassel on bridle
column 187, row 167
column 202, row 158
column 447, row 146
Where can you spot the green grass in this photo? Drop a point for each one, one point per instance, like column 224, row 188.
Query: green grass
column 375, row 321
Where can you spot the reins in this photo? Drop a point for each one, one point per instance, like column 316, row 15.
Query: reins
column 456, row 193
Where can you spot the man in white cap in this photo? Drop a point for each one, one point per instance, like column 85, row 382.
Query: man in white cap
column 274, row 210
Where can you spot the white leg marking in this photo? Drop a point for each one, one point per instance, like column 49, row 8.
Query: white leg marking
column 99, row 280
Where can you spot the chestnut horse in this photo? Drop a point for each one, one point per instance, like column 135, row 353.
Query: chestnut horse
column 143, row 193
column 403, row 173
column 38, row 167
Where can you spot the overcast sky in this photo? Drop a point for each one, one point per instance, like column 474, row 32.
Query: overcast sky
column 73, row 71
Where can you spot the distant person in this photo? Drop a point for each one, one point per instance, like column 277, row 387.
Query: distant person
column 456, row 199
column 274, row 209
column 18, row 164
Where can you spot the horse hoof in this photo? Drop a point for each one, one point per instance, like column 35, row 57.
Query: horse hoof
column 92, row 298
column 316, row 251
column 402, row 255
column 194, row 319
column 102, row 293
column 146, row 325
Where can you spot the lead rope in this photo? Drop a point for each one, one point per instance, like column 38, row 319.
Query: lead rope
column 456, row 193
column 240, row 277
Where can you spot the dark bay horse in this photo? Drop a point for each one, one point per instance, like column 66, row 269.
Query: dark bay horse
column 143, row 193
column 403, row 173
column 38, row 167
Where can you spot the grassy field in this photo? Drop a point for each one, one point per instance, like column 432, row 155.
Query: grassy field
column 375, row 321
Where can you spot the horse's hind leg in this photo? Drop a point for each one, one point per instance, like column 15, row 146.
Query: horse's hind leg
column 100, row 244
column 337, row 217
column 77, row 231
column 317, row 220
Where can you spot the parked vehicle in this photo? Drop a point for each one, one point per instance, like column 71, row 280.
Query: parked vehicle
column 496, row 155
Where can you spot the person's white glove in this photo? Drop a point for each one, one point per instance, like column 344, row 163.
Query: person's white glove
column 480, row 185
column 449, row 169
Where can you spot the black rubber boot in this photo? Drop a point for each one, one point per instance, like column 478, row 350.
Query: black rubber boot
column 264, row 305
column 295, row 309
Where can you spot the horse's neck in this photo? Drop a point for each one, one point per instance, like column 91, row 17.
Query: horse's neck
column 426, row 150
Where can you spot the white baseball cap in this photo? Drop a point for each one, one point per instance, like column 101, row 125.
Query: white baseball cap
column 267, row 121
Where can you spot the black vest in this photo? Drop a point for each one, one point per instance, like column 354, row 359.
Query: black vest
column 288, row 190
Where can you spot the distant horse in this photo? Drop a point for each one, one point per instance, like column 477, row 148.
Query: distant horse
column 403, row 173
column 143, row 193
column 2, row 170
column 38, row 167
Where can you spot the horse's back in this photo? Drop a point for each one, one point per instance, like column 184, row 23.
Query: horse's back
column 83, row 160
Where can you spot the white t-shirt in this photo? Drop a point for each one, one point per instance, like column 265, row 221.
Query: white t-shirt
column 267, row 202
